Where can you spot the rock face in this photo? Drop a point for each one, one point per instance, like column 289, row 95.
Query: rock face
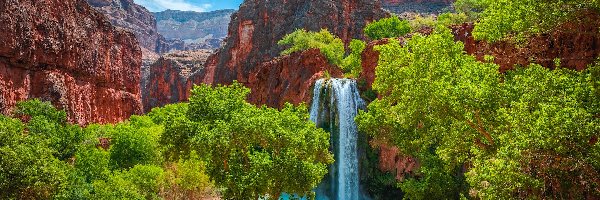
column 170, row 79
column 393, row 161
column 135, row 18
column 199, row 30
column 68, row 53
column 289, row 78
column 259, row 24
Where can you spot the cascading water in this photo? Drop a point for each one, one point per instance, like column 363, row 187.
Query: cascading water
column 334, row 106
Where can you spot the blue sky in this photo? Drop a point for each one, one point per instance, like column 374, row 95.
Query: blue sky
column 193, row 5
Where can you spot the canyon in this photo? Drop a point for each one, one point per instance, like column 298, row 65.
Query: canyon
column 259, row 25
column 136, row 19
column 193, row 30
column 171, row 77
column 69, row 54
column 74, row 56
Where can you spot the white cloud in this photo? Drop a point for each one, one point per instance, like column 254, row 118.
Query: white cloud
column 160, row 5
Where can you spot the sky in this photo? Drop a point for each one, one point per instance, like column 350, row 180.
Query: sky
column 189, row 5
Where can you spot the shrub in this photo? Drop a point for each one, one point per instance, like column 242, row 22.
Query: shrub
column 390, row 27
column 330, row 46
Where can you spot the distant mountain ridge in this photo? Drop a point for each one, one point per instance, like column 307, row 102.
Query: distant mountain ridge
column 198, row 30
column 135, row 18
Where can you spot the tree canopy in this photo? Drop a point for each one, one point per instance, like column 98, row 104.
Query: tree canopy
column 391, row 27
column 517, row 134
column 253, row 151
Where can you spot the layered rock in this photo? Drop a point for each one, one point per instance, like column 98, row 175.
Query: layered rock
column 289, row 78
column 199, row 30
column 135, row 18
column 68, row 53
column 170, row 79
column 259, row 24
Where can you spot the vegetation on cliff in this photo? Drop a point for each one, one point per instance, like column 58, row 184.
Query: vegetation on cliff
column 519, row 19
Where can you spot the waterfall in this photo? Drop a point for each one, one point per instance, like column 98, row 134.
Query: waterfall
column 335, row 104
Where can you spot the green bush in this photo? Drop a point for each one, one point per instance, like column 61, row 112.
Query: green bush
column 28, row 168
column 352, row 64
column 187, row 179
column 519, row 19
column 255, row 152
column 330, row 46
column 390, row 27
column 147, row 179
column 524, row 134
column 116, row 186
column 132, row 145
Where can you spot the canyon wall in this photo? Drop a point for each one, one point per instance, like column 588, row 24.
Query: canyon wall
column 170, row 79
column 289, row 78
column 259, row 24
column 198, row 30
column 68, row 53
column 135, row 18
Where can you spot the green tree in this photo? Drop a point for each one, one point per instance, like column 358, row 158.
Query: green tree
column 438, row 101
column 116, row 186
column 28, row 169
column 519, row 19
column 255, row 152
column 391, row 27
column 50, row 124
column 330, row 46
column 352, row 64
column 135, row 142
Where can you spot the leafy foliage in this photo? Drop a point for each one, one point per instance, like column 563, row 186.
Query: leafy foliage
column 443, row 106
column 135, row 143
column 44, row 157
column 255, row 152
column 28, row 169
column 390, row 27
column 352, row 64
column 330, row 46
column 521, row 18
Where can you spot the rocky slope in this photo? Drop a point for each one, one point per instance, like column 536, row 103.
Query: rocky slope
column 259, row 24
column 170, row 79
column 68, row 53
column 135, row 18
column 199, row 30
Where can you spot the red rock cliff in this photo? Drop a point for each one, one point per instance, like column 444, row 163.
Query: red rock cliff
column 67, row 53
column 170, row 79
column 128, row 15
column 259, row 24
column 289, row 78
